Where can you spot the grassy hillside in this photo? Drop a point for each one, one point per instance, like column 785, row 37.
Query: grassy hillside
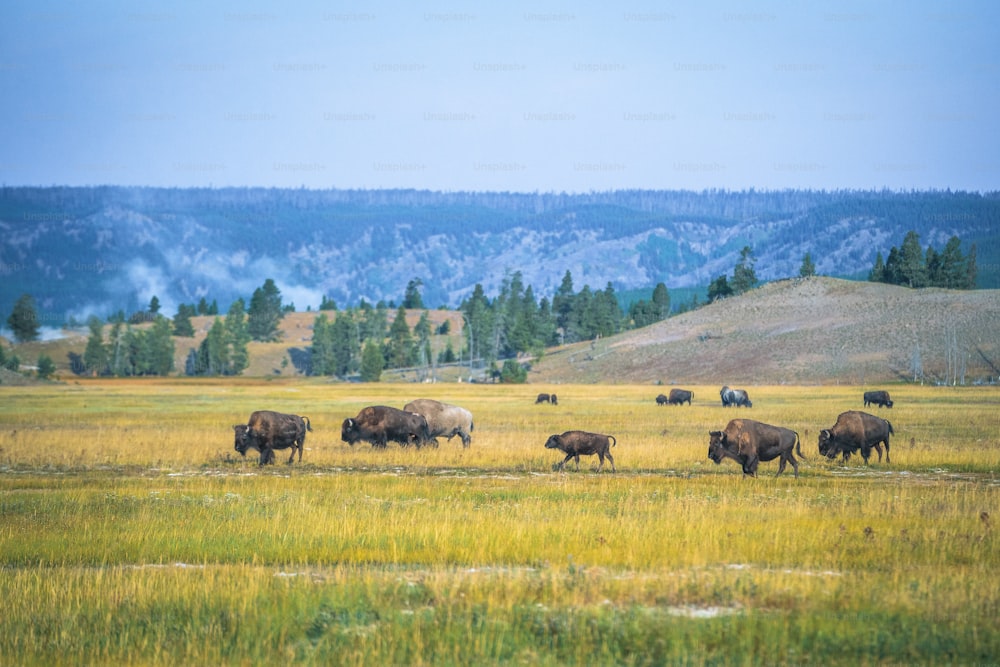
column 820, row 330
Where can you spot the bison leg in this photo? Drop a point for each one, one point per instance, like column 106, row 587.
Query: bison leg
column 611, row 459
column 466, row 438
column 788, row 458
column 750, row 465
column 562, row 464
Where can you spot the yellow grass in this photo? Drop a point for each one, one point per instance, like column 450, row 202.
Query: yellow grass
column 132, row 532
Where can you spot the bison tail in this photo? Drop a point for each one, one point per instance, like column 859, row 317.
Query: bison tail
column 613, row 441
column 889, row 424
column 798, row 444
column 308, row 425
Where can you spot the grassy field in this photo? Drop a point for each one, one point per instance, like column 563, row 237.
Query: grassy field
column 132, row 533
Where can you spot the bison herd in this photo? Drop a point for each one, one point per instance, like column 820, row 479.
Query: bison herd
column 422, row 421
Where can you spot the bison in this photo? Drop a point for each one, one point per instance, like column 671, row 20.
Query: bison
column 577, row 443
column 679, row 396
column 267, row 431
column 546, row 398
column 879, row 398
column 856, row 431
column 378, row 424
column 735, row 397
column 443, row 419
column 661, row 399
column 748, row 442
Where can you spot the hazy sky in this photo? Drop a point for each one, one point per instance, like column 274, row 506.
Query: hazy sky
column 523, row 96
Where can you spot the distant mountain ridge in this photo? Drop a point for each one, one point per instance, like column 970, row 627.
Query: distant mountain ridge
column 97, row 250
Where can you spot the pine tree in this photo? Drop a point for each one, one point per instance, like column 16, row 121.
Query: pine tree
column 327, row 303
column 372, row 362
column 321, row 350
column 877, row 274
column 154, row 305
column 345, row 345
column 952, row 269
column 661, row 301
column 744, row 276
column 912, row 268
column 808, row 269
column 412, row 298
column 182, row 321
column 563, row 304
column 265, row 313
column 401, row 348
column 237, row 337
column 46, row 367
column 95, row 355
column 23, row 319
column 160, row 348
column 971, row 270
column 719, row 289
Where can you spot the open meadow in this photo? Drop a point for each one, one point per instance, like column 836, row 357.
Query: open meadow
column 131, row 532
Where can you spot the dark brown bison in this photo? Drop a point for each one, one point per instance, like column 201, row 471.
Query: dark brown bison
column 443, row 419
column 680, row 396
column 577, row 443
column 748, row 442
column 378, row 424
column 267, row 431
column 879, row 398
column 546, row 398
column 856, row 431
column 661, row 399
column 734, row 398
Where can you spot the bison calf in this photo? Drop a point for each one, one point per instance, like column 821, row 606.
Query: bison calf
column 577, row 443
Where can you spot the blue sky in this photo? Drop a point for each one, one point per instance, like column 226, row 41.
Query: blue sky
column 520, row 96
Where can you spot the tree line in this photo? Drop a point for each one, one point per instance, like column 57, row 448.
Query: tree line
column 909, row 265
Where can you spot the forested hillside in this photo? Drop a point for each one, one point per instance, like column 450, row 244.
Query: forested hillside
column 100, row 250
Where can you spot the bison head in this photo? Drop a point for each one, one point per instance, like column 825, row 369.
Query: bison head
column 716, row 445
column 554, row 442
column 242, row 432
column 826, row 447
column 349, row 432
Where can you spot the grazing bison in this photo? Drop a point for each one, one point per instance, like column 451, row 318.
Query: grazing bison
column 879, row 398
column 661, row 399
column 576, row 443
column 748, row 442
column 443, row 419
column 267, row 431
column 546, row 398
column 734, row 397
column 679, row 396
column 856, row 431
column 378, row 424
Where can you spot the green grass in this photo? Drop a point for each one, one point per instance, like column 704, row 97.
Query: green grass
column 131, row 533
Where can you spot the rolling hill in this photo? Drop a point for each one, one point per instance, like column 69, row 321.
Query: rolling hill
column 820, row 330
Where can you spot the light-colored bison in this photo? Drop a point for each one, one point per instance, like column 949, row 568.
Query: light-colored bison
column 735, row 398
column 856, row 431
column 577, row 443
column 443, row 419
column 748, row 442
column 267, row 431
